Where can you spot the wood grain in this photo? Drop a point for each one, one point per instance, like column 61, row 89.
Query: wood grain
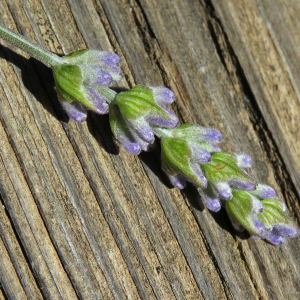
column 80, row 217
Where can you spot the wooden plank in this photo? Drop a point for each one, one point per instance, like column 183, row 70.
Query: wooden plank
column 23, row 274
column 92, row 221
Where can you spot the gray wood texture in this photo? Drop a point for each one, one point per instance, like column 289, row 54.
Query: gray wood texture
column 80, row 217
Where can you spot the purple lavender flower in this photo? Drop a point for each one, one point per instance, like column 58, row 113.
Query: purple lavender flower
column 82, row 82
column 134, row 114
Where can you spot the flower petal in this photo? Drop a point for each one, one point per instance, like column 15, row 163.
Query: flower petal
column 264, row 191
column 177, row 181
column 275, row 238
column 286, row 230
column 142, row 129
column 162, row 121
column 210, row 198
column 75, row 110
column 162, row 95
column 199, row 154
column 201, row 179
column 244, row 160
column 98, row 101
column 242, row 184
column 224, row 190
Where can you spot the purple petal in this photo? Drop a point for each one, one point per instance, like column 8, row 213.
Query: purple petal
column 201, row 179
column 128, row 142
column 210, row 198
column 100, row 106
column 244, row 160
column 259, row 227
column 160, row 121
column 145, row 146
column 242, row 184
column 224, row 190
column 110, row 59
column 264, row 191
column 74, row 110
column 199, row 154
column 177, row 181
column 142, row 129
column 275, row 238
column 213, row 205
column 131, row 142
column 98, row 76
column 211, row 136
column 131, row 147
column 102, row 59
column 255, row 237
column 162, row 95
column 286, row 230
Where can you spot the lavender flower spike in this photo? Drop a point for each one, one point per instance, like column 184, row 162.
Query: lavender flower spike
column 82, row 81
column 134, row 113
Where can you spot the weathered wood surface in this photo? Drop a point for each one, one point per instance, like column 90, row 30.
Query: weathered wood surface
column 80, row 217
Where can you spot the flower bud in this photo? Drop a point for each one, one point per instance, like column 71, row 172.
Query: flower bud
column 276, row 222
column 184, row 149
column 264, row 219
column 135, row 112
column 224, row 174
column 82, row 80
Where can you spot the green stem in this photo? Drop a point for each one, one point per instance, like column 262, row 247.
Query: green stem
column 108, row 93
column 44, row 56
column 162, row 132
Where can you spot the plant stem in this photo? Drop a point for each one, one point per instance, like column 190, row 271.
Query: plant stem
column 44, row 56
column 109, row 94
column 162, row 132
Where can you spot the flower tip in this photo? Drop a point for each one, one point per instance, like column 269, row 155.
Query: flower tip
column 132, row 148
column 162, row 95
column 177, row 181
column 264, row 191
column 244, row 160
column 213, row 205
column 224, row 190
column 75, row 111
column 286, row 230
column 276, row 239
column 111, row 59
column 214, row 136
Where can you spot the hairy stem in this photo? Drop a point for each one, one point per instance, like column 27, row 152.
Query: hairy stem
column 49, row 59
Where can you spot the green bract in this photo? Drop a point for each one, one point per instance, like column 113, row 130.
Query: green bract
column 68, row 82
column 274, row 213
column 175, row 157
column 223, row 168
column 139, row 102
